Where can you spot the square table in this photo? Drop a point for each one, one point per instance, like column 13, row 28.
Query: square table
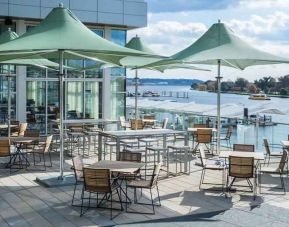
column 119, row 135
column 256, row 155
column 117, row 166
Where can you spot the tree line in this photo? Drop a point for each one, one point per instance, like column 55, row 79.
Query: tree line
column 267, row 84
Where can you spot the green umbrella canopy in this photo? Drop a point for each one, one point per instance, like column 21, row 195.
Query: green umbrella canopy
column 221, row 43
column 61, row 30
column 9, row 35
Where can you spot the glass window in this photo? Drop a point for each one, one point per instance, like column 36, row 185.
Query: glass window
column 92, row 99
column 74, row 100
column 4, row 97
column 118, row 36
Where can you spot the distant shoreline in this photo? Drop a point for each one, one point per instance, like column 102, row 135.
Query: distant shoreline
column 246, row 93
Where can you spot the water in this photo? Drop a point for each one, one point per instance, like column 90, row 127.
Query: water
column 242, row 133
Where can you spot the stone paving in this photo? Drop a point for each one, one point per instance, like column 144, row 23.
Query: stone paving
column 25, row 203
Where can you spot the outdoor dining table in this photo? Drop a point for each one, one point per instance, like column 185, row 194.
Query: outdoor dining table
column 119, row 135
column 18, row 154
column 285, row 143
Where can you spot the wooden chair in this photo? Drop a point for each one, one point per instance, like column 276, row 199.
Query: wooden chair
column 241, row 167
column 149, row 184
column 227, row 136
column 268, row 153
column 136, row 124
column 149, row 124
column 31, row 133
column 214, row 165
column 129, row 156
column 77, row 162
column 203, row 136
column 163, row 124
column 279, row 170
column 15, row 130
column 42, row 149
column 21, row 130
column 244, row 147
column 99, row 181
column 5, row 150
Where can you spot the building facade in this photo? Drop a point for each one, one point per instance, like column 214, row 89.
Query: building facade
column 92, row 93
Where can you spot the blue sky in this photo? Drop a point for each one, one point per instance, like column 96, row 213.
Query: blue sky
column 175, row 24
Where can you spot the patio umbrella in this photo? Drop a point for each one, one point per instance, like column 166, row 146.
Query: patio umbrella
column 61, row 35
column 221, row 46
column 43, row 63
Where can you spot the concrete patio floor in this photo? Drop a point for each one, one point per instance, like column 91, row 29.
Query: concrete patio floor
column 25, row 203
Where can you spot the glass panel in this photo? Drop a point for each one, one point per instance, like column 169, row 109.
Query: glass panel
column 118, row 36
column 4, row 27
column 92, row 97
column 36, row 72
column 98, row 31
column 35, row 104
column 92, row 73
column 74, row 100
column 4, row 98
column 117, row 98
column 76, row 64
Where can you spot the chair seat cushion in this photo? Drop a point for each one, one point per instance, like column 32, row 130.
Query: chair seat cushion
column 139, row 183
column 214, row 167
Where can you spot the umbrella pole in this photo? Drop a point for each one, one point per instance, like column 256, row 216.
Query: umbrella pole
column 135, row 98
column 219, row 107
column 61, row 96
column 9, row 102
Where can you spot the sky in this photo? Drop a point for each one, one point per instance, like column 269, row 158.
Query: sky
column 175, row 24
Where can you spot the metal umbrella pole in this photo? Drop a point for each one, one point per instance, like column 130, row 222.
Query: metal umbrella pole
column 9, row 101
column 136, row 98
column 219, row 107
column 61, row 105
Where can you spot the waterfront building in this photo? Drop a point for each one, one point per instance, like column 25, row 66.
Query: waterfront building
column 89, row 94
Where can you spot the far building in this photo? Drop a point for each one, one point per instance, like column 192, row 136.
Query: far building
column 90, row 94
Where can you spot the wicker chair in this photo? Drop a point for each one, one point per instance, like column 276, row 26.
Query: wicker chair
column 206, row 164
column 146, row 184
column 31, row 133
column 203, row 136
column 99, row 181
column 42, row 149
column 268, row 153
column 78, row 173
column 244, row 147
column 277, row 170
column 149, row 124
column 21, row 130
column 5, row 151
column 241, row 167
column 136, row 124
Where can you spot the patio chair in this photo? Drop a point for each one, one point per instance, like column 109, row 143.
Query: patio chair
column 5, row 151
column 149, row 124
column 14, row 129
column 268, row 153
column 146, row 184
column 123, row 123
column 203, row 136
column 21, row 131
column 99, row 181
column 42, row 149
column 279, row 170
column 194, row 134
column 77, row 167
column 227, row 136
column 241, row 167
column 136, row 124
column 207, row 164
column 243, row 147
column 31, row 133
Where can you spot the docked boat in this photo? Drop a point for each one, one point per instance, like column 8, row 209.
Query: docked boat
column 150, row 94
column 260, row 96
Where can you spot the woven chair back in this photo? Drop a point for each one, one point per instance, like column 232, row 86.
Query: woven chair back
column 200, row 126
column 155, row 175
column 22, row 129
column 31, row 133
column 130, row 156
column 204, row 135
column 241, row 167
column 283, row 161
column 78, row 167
column 5, row 148
column 266, row 145
column 139, row 122
column 97, row 180
column 244, row 147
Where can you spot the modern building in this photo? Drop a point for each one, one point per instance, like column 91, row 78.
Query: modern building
column 90, row 94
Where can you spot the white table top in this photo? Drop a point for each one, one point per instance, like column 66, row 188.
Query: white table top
column 285, row 143
column 144, row 132
column 195, row 129
column 117, row 166
column 4, row 126
column 255, row 155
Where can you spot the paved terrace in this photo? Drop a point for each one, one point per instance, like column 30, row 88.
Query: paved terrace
column 25, row 203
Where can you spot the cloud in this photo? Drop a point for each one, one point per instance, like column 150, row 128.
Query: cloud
column 258, row 4
column 158, row 6
column 258, row 25
column 166, row 37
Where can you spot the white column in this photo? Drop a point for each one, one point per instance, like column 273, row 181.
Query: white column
column 20, row 81
column 106, row 87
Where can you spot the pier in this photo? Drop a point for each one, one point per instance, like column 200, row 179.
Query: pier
column 175, row 94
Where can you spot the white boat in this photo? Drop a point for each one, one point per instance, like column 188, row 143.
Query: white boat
column 260, row 96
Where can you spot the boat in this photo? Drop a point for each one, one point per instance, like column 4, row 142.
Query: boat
column 150, row 94
column 260, row 96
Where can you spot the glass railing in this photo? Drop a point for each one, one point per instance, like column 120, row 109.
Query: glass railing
column 244, row 131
